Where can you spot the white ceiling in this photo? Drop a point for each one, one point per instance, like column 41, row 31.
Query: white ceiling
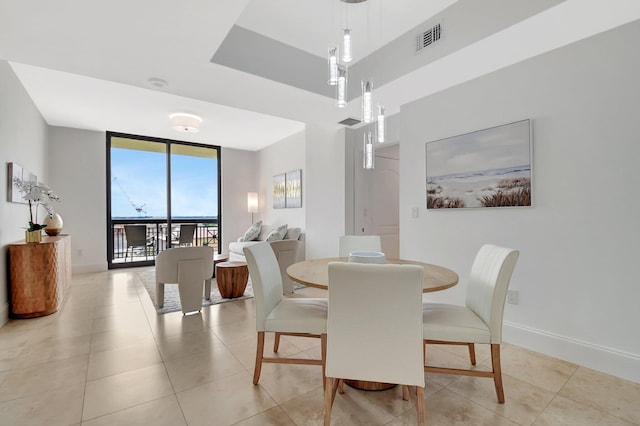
column 88, row 64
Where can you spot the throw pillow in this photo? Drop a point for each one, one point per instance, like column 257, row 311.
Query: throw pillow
column 292, row 234
column 277, row 233
column 253, row 232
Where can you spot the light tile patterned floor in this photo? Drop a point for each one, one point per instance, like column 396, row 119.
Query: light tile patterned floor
column 107, row 359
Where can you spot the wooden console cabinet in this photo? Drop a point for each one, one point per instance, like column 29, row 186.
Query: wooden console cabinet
column 39, row 276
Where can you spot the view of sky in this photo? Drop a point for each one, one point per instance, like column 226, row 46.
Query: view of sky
column 138, row 180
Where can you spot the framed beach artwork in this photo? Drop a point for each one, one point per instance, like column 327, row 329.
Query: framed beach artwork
column 279, row 194
column 15, row 171
column 294, row 189
column 485, row 168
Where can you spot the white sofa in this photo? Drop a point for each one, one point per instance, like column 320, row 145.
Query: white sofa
column 288, row 251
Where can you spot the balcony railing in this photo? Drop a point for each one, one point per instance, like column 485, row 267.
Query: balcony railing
column 158, row 237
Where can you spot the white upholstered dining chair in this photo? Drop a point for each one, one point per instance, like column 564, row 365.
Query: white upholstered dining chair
column 370, row 304
column 349, row 243
column 480, row 320
column 282, row 315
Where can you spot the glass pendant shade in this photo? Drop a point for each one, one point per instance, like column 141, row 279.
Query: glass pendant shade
column 332, row 61
column 380, row 127
column 367, row 107
column 368, row 157
column 346, row 46
column 341, row 87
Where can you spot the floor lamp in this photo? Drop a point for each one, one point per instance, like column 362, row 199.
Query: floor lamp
column 252, row 203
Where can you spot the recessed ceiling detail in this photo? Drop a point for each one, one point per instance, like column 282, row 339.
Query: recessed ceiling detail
column 349, row 121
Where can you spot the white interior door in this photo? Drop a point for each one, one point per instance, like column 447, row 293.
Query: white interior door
column 380, row 200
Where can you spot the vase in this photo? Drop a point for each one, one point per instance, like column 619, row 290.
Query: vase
column 33, row 236
column 53, row 224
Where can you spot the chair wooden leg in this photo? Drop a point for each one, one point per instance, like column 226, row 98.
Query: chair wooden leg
column 472, row 353
column 259, row 355
column 497, row 371
column 405, row 392
column 331, row 385
column 323, row 350
column 420, row 404
column 340, row 386
column 276, row 342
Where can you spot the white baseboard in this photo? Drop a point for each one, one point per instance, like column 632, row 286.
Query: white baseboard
column 84, row 269
column 607, row 360
column 4, row 314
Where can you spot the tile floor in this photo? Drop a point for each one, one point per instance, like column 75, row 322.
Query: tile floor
column 106, row 358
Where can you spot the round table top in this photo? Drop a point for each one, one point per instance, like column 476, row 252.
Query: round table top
column 315, row 273
column 232, row 264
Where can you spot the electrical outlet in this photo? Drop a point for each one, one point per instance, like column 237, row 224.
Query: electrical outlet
column 415, row 212
column 512, row 297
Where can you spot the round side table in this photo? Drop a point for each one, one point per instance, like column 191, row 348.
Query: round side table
column 218, row 258
column 232, row 278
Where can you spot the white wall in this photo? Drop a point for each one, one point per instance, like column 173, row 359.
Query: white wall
column 77, row 162
column 239, row 176
column 23, row 140
column 325, row 190
column 281, row 157
column 577, row 275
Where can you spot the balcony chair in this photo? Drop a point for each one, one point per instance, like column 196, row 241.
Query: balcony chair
column 186, row 235
column 370, row 304
column 349, row 243
column 306, row 317
column 480, row 320
column 136, row 237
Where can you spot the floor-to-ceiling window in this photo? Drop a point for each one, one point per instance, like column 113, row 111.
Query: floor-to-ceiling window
column 161, row 193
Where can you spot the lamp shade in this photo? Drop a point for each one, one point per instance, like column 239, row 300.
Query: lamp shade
column 252, row 202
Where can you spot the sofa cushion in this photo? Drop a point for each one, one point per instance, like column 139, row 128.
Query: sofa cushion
column 253, row 231
column 277, row 233
column 237, row 247
column 292, row 234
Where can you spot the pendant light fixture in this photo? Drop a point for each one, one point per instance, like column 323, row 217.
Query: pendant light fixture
column 341, row 87
column 346, row 46
column 368, row 156
column 380, row 125
column 367, row 102
column 332, row 61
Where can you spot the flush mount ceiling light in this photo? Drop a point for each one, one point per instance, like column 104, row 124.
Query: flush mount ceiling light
column 185, row 122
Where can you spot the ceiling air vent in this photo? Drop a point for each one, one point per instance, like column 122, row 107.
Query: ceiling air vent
column 429, row 37
column 349, row 121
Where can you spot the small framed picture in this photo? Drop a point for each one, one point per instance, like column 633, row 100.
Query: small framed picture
column 14, row 172
column 294, row 189
column 279, row 191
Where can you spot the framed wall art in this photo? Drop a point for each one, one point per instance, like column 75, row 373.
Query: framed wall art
column 279, row 194
column 294, row 189
column 485, row 168
column 15, row 171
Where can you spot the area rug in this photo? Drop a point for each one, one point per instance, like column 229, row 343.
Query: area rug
column 172, row 297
